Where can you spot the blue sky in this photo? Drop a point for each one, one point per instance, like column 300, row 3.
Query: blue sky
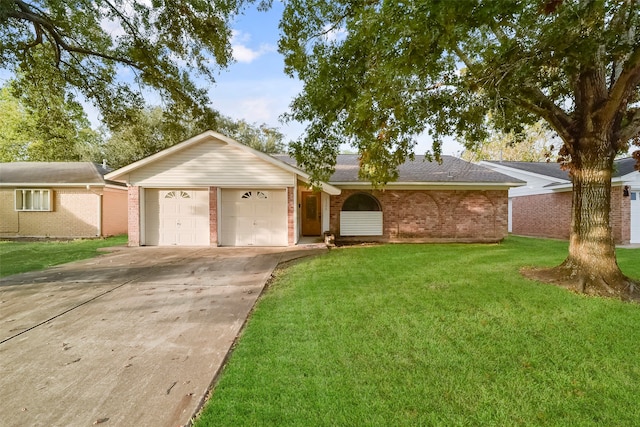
column 255, row 87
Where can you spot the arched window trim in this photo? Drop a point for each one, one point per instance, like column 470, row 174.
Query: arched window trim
column 372, row 198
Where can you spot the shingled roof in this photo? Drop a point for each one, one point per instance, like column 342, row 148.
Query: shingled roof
column 53, row 173
column 420, row 170
column 552, row 169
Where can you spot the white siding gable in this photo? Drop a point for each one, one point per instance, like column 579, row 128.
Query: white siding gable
column 211, row 163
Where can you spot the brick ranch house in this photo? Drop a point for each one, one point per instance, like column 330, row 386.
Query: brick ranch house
column 60, row 200
column 542, row 208
column 211, row 190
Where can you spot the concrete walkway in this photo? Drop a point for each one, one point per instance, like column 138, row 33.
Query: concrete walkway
column 134, row 337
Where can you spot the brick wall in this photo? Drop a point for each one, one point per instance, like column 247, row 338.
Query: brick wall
column 74, row 214
column 213, row 216
column 134, row 215
column 620, row 217
column 549, row 215
column 542, row 215
column 434, row 215
column 114, row 212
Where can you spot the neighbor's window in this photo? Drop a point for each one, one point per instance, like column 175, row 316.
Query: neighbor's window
column 33, row 200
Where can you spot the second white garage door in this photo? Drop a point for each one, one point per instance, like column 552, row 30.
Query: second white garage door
column 253, row 218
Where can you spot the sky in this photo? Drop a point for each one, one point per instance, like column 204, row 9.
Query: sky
column 255, row 88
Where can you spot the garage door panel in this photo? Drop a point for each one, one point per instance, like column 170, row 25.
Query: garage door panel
column 177, row 217
column 254, row 218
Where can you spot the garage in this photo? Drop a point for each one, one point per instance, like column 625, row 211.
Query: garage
column 177, row 217
column 251, row 217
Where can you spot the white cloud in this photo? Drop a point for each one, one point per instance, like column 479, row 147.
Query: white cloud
column 245, row 54
column 334, row 34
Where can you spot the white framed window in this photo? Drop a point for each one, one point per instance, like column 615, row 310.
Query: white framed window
column 32, row 200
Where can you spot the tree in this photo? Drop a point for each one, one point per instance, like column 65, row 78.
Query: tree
column 44, row 126
column 262, row 138
column 376, row 73
column 154, row 129
column 533, row 144
column 90, row 43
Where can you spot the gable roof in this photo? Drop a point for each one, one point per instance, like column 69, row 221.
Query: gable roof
column 549, row 169
column 622, row 167
column 53, row 173
column 452, row 170
column 122, row 172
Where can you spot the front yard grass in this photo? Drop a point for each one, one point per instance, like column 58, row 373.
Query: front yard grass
column 20, row 256
column 432, row 335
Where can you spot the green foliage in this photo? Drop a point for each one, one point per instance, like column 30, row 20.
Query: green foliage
column 431, row 335
column 377, row 73
column 533, row 144
column 153, row 129
column 91, row 44
column 40, row 123
column 262, row 138
column 20, row 257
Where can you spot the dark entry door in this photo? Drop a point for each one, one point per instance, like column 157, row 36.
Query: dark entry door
column 311, row 215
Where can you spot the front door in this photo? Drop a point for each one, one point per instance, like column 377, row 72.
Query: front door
column 311, row 214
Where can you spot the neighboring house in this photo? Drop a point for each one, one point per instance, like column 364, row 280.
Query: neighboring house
column 543, row 207
column 60, row 200
column 211, row 190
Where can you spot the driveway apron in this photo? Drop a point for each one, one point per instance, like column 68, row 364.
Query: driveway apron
column 134, row 337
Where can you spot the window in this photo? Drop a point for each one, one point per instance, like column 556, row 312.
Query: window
column 361, row 202
column 33, row 200
column 177, row 195
column 634, row 194
column 258, row 194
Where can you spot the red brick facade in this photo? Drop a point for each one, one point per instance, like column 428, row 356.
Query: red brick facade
column 434, row 215
column 134, row 216
column 549, row 215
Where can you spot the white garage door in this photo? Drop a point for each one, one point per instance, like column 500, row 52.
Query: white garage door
column 253, row 218
column 177, row 217
column 635, row 217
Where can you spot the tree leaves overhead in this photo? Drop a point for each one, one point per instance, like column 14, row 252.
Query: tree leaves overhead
column 112, row 50
column 377, row 73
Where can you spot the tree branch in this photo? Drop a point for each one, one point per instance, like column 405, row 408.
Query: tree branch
column 621, row 88
column 44, row 24
column 631, row 128
column 538, row 103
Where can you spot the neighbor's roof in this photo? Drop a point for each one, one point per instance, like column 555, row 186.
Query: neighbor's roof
column 52, row 173
column 550, row 169
column 553, row 169
column 452, row 170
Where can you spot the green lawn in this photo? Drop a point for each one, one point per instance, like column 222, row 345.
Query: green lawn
column 19, row 257
column 432, row 335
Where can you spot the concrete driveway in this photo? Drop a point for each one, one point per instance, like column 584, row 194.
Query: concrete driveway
column 134, row 337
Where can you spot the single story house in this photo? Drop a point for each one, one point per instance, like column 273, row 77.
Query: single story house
column 60, row 200
column 211, row 190
column 542, row 207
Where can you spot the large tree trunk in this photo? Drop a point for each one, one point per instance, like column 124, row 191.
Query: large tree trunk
column 591, row 265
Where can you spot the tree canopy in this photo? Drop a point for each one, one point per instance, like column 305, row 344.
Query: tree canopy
column 534, row 144
column 378, row 73
column 154, row 129
column 93, row 45
column 44, row 126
